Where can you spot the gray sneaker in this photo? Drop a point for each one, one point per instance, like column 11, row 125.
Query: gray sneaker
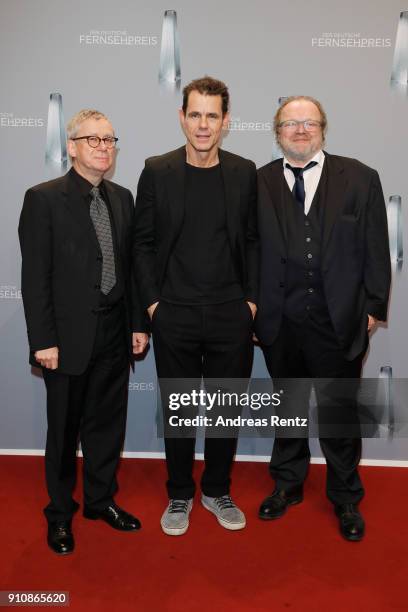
column 227, row 513
column 175, row 518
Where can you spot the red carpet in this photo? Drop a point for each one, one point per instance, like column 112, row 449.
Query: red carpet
column 296, row 563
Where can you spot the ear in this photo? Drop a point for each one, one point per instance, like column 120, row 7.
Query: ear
column 225, row 121
column 182, row 117
column 71, row 146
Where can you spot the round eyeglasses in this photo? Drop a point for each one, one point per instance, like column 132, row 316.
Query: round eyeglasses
column 291, row 125
column 95, row 141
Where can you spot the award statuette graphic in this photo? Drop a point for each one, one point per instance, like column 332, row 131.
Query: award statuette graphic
column 394, row 216
column 386, row 373
column 169, row 71
column 399, row 75
column 56, row 146
column 276, row 152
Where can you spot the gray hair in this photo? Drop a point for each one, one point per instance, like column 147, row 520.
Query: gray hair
column 83, row 115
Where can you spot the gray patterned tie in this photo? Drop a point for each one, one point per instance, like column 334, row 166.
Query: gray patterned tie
column 101, row 221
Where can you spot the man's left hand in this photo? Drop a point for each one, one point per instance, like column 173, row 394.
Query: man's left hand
column 139, row 342
column 372, row 322
column 253, row 308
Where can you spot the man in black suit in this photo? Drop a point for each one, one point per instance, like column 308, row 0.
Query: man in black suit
column 325, row 278
column 81, row 306
column 196, row 265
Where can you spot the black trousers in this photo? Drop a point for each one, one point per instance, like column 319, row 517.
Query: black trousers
column 311, row 350
column 91, row 406
column 212, row 341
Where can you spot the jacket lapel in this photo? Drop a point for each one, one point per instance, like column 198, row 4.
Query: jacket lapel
column 335, row 194
column 116, row 207
column 231, row 183
column 77, row 209
column 276, row 183
column 175, row 175
column 174, row 180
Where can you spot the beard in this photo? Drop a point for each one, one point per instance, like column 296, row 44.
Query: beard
column 303, row 155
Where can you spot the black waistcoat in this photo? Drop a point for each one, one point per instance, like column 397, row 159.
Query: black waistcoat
column 304, row 294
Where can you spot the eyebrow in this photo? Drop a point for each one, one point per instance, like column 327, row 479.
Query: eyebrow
column 293, row 119
column 194, row 112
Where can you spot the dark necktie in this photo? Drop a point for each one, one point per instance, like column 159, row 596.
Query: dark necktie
column 299, row 186
column 101, row 221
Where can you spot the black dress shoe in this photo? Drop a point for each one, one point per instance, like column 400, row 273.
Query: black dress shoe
column 276, row 504
column 350, row 521
column 60, row 538
column 115, row 517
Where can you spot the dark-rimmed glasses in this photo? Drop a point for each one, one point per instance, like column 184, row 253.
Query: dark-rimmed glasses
column 95, row 141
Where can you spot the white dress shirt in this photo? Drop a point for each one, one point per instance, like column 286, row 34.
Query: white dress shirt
column 311, row 178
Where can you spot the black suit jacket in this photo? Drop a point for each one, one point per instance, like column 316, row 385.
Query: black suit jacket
column 160, row 205
column 62, row 269
column 355, row 252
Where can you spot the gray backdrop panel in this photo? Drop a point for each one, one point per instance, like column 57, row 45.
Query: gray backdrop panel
column 263, row 50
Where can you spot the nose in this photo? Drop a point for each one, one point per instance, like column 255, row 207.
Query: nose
column 102, row 146
column 300, row 127
column 203, row 122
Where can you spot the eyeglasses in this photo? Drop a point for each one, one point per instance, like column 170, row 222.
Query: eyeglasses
column 95, row 141
column 291, row 125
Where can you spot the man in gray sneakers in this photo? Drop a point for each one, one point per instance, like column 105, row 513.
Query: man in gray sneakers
column 196, row 265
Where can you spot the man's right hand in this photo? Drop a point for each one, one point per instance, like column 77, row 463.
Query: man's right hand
column 151, row 309
column 48, row 358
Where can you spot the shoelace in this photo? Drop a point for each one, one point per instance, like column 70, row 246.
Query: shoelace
column 178, row 505
column 224, row 502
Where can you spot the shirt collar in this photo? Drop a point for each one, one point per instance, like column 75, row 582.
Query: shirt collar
column 319, row 158
column 83, row 185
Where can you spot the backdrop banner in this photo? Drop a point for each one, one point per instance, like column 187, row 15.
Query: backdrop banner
column 130, row 60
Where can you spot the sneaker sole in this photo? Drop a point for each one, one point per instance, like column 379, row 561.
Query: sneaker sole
column 177, row 531
column 174, row 531
column 225, row 524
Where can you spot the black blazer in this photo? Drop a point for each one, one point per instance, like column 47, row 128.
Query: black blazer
column 62, row 269
column 160, row 205
column 355, row 253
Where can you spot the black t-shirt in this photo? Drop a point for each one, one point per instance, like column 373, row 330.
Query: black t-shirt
column 200, row 268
